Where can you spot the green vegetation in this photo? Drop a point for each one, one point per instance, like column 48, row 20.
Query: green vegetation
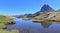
column 5, row 31
column 4, row 19
column 2, row 25
column 4, row 22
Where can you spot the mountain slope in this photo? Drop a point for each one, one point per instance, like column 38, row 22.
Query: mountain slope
column 51, row 16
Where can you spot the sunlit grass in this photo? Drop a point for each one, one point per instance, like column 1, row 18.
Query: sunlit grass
column 3, row 21
column 6, row 31
column 2, row 25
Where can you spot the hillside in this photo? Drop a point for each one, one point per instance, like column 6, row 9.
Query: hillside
column 49, row 16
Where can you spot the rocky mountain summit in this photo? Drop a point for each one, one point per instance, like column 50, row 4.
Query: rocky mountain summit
column 45, row 8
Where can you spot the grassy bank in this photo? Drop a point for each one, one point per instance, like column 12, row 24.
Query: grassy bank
column 6, row 31
column 4, row 22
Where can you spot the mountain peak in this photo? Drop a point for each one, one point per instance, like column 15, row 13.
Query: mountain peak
column 46, row 8
column 45, row 5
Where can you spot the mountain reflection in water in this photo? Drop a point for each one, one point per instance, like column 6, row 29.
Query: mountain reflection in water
column 27, row 26
column 46, row 25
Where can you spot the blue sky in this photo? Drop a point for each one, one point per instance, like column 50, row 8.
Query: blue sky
column 18, row 7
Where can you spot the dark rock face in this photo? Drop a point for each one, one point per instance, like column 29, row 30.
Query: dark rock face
column 46, row 8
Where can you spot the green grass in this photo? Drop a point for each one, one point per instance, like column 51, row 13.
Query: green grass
column 2, row 25
column 3, row 21
column 6, row 31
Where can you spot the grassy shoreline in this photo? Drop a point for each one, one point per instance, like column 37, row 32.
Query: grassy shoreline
column 4, row 22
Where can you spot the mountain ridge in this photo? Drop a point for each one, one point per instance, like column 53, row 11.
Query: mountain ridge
column 44, row 9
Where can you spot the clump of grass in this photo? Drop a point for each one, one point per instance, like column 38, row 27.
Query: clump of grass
column 6, row 31
column 4, row 19
column 2, row 25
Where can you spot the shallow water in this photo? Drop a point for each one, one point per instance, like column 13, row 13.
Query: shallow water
column 27, row 26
